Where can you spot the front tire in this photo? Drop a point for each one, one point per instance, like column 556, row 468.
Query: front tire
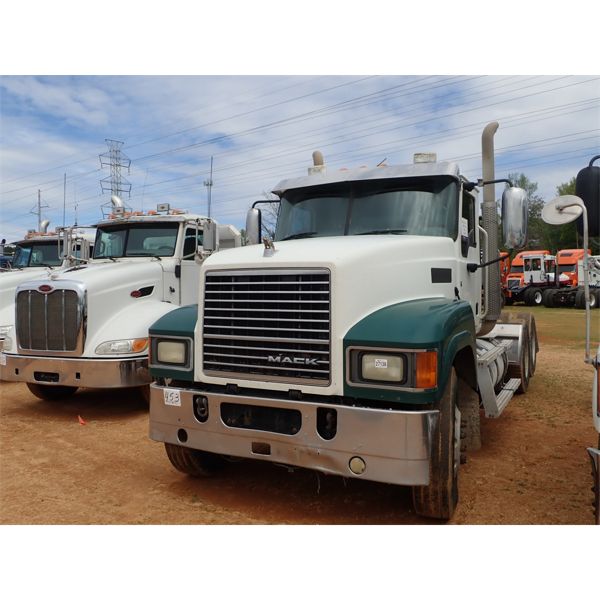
column 51, row 392
column 196, row 463
column 439, row 499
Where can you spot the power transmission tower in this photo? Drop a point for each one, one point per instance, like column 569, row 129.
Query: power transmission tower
column 116, row 160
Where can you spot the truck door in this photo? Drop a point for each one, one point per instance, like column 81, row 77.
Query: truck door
column 469, row 287
column 190, row 271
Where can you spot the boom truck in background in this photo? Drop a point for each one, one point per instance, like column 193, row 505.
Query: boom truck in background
column 40, row 252
column 359, row 342
column 87, row 326
column 584, row 208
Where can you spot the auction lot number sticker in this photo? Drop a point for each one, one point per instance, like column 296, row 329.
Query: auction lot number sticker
column 172, row 397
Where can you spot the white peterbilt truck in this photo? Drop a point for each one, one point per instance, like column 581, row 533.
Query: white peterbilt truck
column 359, row 342
column 87, row 326
column 40, row 252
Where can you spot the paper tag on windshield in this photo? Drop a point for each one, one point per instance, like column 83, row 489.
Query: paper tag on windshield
column 172, row 397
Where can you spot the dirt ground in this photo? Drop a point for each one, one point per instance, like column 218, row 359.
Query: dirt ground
column 103, row 469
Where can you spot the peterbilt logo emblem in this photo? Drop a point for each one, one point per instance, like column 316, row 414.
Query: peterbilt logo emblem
column 45, row 289
column 288, row 360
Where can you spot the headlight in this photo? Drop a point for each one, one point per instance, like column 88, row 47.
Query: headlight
column 132, row 346
column 5, row 339
column 390, row 368
column 382, row 367
column 171, row 352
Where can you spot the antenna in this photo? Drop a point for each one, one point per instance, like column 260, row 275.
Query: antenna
column 209, row 183
column 38, row 212
column 116, row 160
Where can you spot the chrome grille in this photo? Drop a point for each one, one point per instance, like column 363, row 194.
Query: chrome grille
column 268, row 324
column 49, row 322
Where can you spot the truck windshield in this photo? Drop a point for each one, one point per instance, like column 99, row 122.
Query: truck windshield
column 567, row 268
column 136, row 239
column 419, row 206
column 37, row 254
column 516, row 268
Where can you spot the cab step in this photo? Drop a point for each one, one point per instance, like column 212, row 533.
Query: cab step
column 494, row 409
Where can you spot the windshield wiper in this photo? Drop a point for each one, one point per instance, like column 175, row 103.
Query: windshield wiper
column 297, row 236
column 377, row 231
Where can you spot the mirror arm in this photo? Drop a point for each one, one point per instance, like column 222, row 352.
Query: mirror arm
column 481, row 182
column 472, row 267
column 278, row 201
column 594, row 159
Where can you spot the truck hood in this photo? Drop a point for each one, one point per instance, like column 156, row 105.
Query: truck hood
column 367, row 272
column 113, row 278
column 112, row 313
column 8, row 286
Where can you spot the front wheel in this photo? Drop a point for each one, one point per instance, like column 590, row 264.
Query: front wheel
column 196, row 463
column 439, row 499
column 51, row 392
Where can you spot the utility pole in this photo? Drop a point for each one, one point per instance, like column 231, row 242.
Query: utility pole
column 209, row 183
column 64, row 198
column 116, row 160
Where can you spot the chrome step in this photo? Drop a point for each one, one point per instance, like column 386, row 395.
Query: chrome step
column 494, row 408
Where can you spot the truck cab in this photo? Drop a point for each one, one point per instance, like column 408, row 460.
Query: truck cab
column 341, row 344
column 39, row 253
column 567, row 261
column 87, row 325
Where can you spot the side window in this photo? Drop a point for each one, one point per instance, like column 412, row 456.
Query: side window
column 468, row 216
column 189, row 242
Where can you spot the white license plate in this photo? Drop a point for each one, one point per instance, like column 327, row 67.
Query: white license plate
column 172, row 397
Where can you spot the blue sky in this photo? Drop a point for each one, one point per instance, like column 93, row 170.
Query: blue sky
column 260, row 129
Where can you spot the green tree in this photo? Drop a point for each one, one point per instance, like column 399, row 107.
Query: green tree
column 560, row 237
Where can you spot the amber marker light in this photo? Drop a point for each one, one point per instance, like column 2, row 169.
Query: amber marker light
column 426, row 370
column 139, row 344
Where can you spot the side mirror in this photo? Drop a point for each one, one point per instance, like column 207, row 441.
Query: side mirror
column 253, row 226
column 587, row 187
column 210, row 236
column 514, row 217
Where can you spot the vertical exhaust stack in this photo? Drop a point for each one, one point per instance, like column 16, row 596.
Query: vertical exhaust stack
column 490, row 224
column 44, row 226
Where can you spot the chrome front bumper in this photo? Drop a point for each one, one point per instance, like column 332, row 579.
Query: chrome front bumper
column 78, row 372
column 395, row 445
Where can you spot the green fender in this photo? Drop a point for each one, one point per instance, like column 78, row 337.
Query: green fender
column 180, row 322
column 432, row 323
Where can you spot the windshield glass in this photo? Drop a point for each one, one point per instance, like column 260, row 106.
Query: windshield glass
column 138, row 239
column 423, row 206
column 37, row 254
column 567, row 268
column 516, row 268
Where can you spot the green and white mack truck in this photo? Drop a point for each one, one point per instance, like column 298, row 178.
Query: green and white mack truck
column 365, row 340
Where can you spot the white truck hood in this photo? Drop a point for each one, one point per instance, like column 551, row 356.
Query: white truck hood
column 367, row 273
column 8, row 286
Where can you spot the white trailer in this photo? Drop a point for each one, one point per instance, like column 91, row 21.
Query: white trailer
column 87, row 326
column 361, row 341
